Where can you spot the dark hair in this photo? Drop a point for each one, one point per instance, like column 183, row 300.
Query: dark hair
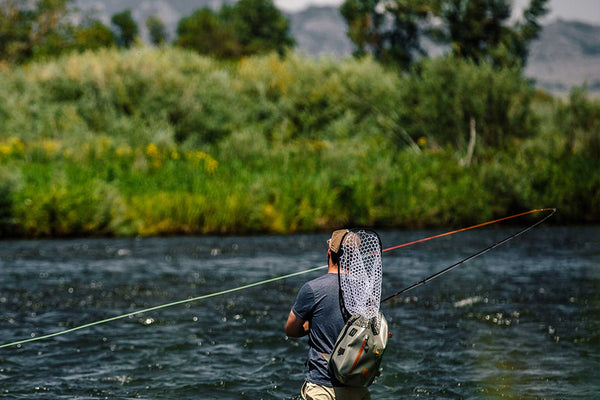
column 335, row 257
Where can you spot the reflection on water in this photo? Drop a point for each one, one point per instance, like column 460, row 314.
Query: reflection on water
column 522, row 321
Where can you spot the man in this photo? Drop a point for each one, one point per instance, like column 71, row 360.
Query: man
column 317, row 313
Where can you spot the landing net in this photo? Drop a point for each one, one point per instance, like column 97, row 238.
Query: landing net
column 360, row 273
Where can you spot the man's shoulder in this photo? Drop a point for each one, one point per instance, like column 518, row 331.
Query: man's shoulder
column 323, row 281
column 326, row 278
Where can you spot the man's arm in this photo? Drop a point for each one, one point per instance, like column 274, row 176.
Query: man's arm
column 296, row 327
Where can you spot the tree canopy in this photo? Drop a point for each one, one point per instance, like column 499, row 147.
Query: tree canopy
column 248, row 27
column 157, row 30
column 390, row 30
column 478, row 30
column 127, row 29
column 30, row 30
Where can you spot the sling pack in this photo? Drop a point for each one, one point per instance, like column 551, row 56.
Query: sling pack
column 358, row 351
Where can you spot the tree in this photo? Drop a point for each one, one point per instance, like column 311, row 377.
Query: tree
column 32, row 29
column 15, row 30
column 203, row 32
column 390, row 30
column 258, row 25
column 479, row 30
column 50, row 30
column 248, row 27
column 92, row 34
column 127, row 29
column 157, row 30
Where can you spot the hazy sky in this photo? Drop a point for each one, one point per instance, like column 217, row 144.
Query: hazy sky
column 581, row 10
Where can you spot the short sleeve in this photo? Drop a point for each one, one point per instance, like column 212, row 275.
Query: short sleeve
column 303, row 307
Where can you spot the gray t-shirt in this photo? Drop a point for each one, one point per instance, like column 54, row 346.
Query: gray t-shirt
column 318, row 302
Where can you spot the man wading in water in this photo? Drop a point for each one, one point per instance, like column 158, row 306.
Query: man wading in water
column 317, row 313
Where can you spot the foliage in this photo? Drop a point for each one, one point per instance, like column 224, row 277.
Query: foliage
column 127, row 29
column 579, row 120
column 26, row 32
column 478, row 30
column 204, row 33
column 258, row 25
column 164, row 141
column 92, row 35
column 389, row 30
column 447, row 93
column 42, row 29
column 9, row 185
column 248, row 27
column 157, row 30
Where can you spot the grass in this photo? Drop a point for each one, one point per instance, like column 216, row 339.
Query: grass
column 163, row 142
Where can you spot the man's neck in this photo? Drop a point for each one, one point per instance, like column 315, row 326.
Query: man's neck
column 332, row 268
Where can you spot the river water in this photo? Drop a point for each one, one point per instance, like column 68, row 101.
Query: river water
column 520, row 322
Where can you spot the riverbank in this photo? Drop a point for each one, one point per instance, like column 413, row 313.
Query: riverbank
column 165, row 142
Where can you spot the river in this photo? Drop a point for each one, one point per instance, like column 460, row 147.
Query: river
column 519, row 322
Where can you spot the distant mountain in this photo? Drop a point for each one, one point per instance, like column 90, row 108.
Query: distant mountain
column 320, row 31
column 567, row 54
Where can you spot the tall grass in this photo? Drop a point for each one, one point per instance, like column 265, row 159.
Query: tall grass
column 163, row 141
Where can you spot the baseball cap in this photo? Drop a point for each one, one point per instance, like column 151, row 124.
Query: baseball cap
column 336, row 240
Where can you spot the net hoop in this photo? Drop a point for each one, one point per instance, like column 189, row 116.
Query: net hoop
column 360, row 273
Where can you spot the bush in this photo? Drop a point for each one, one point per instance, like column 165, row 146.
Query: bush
column 444, row 95
column 163, row 141
column 9, row 185
column 579, row 121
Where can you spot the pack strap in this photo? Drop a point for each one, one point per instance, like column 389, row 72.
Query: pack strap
column 326, row 356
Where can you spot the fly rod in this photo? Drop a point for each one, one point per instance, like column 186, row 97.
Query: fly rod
column 472, row 256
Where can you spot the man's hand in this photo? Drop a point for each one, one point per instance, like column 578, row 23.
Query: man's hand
column 296, row 327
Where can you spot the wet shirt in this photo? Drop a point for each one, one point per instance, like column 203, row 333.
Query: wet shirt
column 318, row 302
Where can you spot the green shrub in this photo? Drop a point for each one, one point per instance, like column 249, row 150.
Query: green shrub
column 446, row 93
column 163, row 141
column 9, row 185
column 579, row 121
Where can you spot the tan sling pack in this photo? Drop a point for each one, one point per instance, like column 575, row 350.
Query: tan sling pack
column 358, row 351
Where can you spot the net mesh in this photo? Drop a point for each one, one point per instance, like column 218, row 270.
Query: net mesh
column 361, row 272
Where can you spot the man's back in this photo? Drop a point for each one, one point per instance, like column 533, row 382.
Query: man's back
column 318, row 302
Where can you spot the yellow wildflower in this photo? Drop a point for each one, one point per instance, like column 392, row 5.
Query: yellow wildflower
column 123, row 150
column 152, row 150
column 50, row 146
column 210, row 164
column 154, row 155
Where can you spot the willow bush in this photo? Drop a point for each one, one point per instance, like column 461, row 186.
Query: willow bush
column 164, row 141
column 444, row 94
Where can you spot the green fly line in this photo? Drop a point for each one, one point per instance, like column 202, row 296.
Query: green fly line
column 175, row 303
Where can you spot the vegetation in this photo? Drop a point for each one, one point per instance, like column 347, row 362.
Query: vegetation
column 476, row 30
column 248, row 27
column 42, row 29
column 228, row 132
column 157, row 30
column 165, row 141
column 126, row 27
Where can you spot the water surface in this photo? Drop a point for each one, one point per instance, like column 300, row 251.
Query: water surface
column 520, row 322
